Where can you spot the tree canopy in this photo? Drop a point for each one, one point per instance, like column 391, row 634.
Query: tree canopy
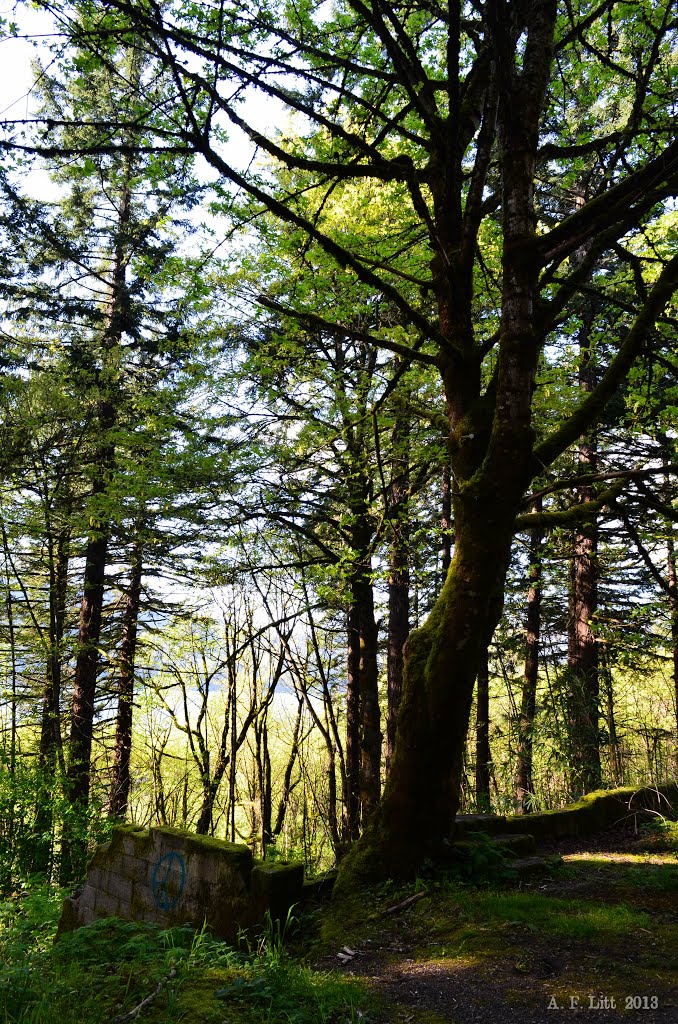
column 457, row 216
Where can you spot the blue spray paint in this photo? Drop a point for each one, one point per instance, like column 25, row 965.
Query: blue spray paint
column 169, row 879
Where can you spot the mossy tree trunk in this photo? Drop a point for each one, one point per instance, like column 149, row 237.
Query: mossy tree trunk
column 441, row 663
column 491, row 449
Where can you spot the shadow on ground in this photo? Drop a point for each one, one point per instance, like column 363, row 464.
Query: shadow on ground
column 595, row 938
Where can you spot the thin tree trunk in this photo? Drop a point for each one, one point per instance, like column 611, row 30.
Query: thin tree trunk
column 582, row 659
column 398, row 582
column 370, row 715
column 352, row 748
column 524, row 782
column 606, row 677
column 446, row 520
column 483, row 755
column 263, row 761
column 363, row 731
column 50, row 753
column 673, row 610
column 6, row 869
column 120, row 785
column 582, row 655
column 158, row 785
column 289, row 768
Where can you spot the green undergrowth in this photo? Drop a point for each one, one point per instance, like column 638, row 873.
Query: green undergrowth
column 459, row 911
column 597, row 921
column 105, row 970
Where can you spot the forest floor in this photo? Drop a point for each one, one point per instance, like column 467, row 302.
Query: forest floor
column 593, row 937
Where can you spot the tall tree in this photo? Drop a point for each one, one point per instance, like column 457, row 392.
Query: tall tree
column 399, row 576
column 528, row 699
column 582, row 655
column 468, row 114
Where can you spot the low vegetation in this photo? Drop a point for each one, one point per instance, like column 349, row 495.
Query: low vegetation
column 599, row 920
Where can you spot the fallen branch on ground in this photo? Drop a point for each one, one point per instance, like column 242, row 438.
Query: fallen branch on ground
column 123, row 1018
column 406, row 903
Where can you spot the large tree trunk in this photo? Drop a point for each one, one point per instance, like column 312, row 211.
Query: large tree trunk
column 442, row 658
column 528, row 702
column 120, row 784
column 491, row 443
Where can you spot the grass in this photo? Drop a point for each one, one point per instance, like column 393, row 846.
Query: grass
column 600, row 922
column 104, row 970
column 565, row 918
column 596, row 922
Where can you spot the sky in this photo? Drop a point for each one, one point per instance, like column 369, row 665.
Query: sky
column 18, row 99
column 16, row 54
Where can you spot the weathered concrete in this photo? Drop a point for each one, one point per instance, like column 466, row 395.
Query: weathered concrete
column 594, row 812
column 172, row 877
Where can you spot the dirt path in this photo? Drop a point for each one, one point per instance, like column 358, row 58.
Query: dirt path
column 595, row 940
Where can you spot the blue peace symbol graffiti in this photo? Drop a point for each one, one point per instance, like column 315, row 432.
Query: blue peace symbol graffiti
column 169, row 879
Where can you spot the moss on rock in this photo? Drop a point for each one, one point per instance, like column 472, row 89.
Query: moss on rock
column 596, row 811
column 276, row 887
column 191, row 842
column 175, row 877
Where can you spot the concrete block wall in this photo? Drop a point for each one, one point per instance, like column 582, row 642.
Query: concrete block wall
column 172, row 877
column 592, row 813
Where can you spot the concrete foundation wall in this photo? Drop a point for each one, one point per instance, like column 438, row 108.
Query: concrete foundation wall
column 594, row 812
column 172, row 877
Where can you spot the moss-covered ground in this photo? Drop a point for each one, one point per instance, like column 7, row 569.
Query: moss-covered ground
column 597, row 928
column 595, row 933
